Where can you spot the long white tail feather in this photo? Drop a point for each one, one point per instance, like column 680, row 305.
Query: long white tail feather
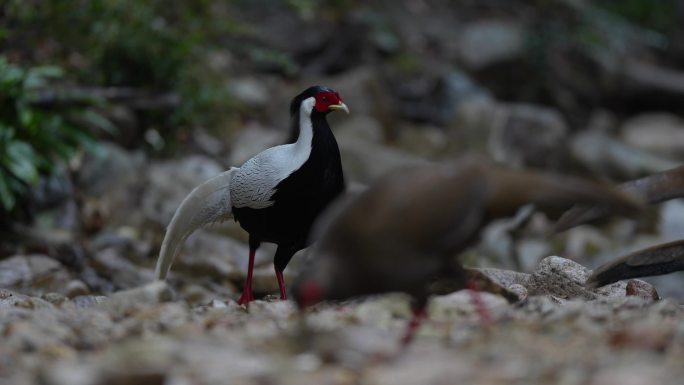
column 208, row 203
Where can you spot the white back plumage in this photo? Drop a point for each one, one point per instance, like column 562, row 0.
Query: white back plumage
column 255, row 183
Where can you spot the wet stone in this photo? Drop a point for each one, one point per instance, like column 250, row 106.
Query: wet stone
column 639, row 288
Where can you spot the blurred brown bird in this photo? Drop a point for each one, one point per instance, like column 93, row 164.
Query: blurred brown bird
column 653, row 189
column 656, row 260
column 404, row 231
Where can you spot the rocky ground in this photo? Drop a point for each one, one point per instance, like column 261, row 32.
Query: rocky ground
column 148, row 335
column 78, row 308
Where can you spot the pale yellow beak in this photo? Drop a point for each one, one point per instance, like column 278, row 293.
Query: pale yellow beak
column 340, row 106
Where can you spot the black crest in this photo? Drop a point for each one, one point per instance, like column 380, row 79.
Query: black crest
column 307, row 93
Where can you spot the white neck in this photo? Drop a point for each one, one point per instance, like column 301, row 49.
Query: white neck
column 305, row 125
column 254, row 184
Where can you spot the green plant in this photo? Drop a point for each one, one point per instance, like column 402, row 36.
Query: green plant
column 658, row 15
column 32, row 137
column 148, row 45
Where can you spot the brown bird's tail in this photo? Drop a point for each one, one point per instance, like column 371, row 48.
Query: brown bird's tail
column 552, row 194
column 206, row 204
column 657, row 260
column 653, row 189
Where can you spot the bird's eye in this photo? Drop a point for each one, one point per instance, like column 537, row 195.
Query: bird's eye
column 325, row 98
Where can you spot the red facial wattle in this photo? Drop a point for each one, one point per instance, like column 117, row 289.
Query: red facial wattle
column 326, row 99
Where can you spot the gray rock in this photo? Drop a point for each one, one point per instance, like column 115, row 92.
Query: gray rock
column 512, row 133
column 124, row 302
column 671, row 223
column 87, row 301
column 644, row 77
column 425, row 141
column 207, row 142
column 125, row 240
column 54, row 298
column 75, row 288
column 33, row 274
column 359, row 127
column 111, row 180
column 565, row 279
column 607, row 156
column 659, row 133
column 56, row 190
column 560, row 277
column 471, row 126
column 519, row 290
column 273, row 310
column 205, row 251
column 211, row 255
column 10, row 299
column 249, row 90
column 461, row 303
column 528, row 135
column 487, row 42
column 615, row 290
column 195, row 294
column 122, row 272
column 253, row 139
column 506, row 278
column 169, row 182
column 71, row 374
column 642, row 289
column 364, row 162
column 505, row 283
column 461, row 88
column 99, row 171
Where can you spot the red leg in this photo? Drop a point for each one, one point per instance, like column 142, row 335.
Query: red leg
column 247, row 294
column 419, row 314
column 281, row 284
column 480, row 308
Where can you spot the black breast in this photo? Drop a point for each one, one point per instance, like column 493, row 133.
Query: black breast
column 302, row 196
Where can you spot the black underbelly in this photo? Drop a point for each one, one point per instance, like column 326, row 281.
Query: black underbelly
column 277, row 224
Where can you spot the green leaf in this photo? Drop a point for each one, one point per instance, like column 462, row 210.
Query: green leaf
column 47, row 71
column 62, row 149
column 96, row 119
column 22, row 161
column 10, row 75
column 25, row 115
column 38, row 77
column 6, row 132
column 6, row 196
column 77, row 136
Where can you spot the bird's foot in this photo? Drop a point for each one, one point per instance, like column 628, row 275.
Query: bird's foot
column 480, row 307
column 281, row 285
column 246, row 297
column 419, row 314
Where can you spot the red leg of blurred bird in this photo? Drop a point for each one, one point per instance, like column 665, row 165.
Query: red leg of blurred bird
column 419, row 314
column 281, row 284
column 478, row 303
column 247, row 294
